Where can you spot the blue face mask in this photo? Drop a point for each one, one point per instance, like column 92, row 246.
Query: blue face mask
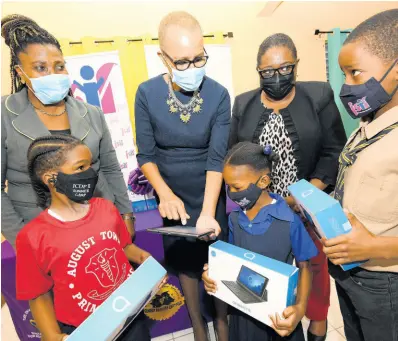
column 190, row 79
column 50, row 89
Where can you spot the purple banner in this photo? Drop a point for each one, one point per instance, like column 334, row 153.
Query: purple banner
column 167, row 311
column 19, row 310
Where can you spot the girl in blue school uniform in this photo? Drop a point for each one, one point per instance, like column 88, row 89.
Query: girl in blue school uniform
column 265, row 224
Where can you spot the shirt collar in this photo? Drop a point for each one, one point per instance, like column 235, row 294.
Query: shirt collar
column 376, row 126
column 279, row 210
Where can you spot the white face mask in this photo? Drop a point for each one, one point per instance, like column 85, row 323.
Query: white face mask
column 50, row 89
column 190, row 79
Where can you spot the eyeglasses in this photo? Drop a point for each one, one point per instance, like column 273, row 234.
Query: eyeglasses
column 283, row 71
column 184, row 64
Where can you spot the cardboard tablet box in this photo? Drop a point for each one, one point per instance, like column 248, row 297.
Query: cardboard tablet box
column 257, row 285
column 324, row 212
column 109, row 319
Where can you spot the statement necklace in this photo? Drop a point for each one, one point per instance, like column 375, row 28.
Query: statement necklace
column 185, row 110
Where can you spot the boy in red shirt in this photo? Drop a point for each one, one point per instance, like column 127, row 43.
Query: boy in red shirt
column 77, row 252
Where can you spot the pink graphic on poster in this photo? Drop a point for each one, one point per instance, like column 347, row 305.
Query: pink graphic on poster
column 97, row 92
column 98, row 80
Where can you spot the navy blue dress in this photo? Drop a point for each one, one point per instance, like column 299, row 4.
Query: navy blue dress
column 183, row 152
column 278, row 233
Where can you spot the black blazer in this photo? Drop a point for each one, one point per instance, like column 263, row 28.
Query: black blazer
column 313, row 123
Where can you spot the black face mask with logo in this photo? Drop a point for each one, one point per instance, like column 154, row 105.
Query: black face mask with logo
column 77, row 187
column 278, row 86
column 365, row 99
column 247, row 198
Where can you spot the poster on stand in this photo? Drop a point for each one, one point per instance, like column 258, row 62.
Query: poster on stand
column 97, row 79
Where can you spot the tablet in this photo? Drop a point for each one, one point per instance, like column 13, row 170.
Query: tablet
column 180, row 231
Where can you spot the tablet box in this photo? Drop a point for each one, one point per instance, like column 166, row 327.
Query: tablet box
column 257, row 285
column 324, row 213
column 109, row 319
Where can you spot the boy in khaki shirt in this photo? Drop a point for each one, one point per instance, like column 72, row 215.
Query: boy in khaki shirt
column 367, row 184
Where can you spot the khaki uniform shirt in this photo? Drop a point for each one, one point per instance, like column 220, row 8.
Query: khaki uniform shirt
column 371, row 184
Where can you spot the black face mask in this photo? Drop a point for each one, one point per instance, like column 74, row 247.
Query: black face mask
column 77, row 187
column 365, row 99
column 247, row 198
column 278, row 87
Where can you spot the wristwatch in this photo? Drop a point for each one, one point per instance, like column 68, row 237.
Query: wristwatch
column 129, row 216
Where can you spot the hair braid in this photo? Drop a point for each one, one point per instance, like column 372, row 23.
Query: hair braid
column 18, row 32
column 45, row 154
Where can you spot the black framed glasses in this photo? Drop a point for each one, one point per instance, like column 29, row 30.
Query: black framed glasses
column 283, row 71
column 184, row 64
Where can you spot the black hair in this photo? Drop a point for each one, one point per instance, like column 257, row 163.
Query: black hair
column 276, row 40
column 19, row 32
column 253, row 155
column 45, row 154
column 379, row 35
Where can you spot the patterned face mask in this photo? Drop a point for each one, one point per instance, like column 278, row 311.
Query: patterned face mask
column 247, row 198
column 365, row 99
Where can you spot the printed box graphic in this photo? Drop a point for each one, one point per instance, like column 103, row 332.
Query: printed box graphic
column 122, row 306
column 325, row 213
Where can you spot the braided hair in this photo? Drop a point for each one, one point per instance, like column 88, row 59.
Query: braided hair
column 257, row 157
column 18, row 32
column 45, row 154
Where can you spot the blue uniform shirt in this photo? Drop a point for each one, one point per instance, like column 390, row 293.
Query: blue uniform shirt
column 302, row 245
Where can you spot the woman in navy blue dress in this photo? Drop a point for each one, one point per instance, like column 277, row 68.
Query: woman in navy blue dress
column 182, row 123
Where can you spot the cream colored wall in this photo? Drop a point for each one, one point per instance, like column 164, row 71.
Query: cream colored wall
column 298, row 19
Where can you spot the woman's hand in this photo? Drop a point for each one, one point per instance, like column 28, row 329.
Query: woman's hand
column 172, row 208
column 292, row 316
column 357, row 245
column 210, row 285
column 208, row 223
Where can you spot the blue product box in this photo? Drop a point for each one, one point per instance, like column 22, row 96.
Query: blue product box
column 324, row 212
column 144, row 205
column 256, row 285
column 109, row 319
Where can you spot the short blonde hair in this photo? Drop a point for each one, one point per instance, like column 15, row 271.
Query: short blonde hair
column 179, row 18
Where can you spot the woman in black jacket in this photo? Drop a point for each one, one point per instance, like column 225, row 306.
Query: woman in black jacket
column 301, row 122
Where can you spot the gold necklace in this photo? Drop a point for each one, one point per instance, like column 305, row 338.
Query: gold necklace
column 48, row 114
column 185, row 110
